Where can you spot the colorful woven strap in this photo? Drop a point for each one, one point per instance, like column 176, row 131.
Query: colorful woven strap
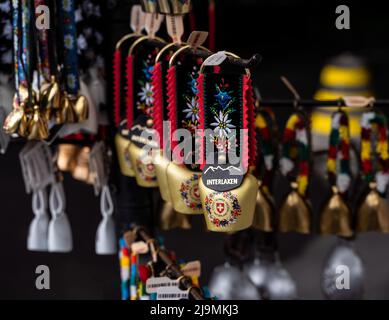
column 295, row 150
column 67, row 13
column 43, row 43
column 374, row 121
column 339, row 152
column 124, row 260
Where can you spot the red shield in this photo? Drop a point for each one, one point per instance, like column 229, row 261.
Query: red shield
column 220, row 207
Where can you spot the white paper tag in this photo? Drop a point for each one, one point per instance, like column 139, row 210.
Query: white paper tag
column 197, row 38
column 156, row 284
column 215, row 59
column 139, row 247
column 175, row 27
column 153, row 23
column 192, row 269
column 137, row 22
column 173, row 295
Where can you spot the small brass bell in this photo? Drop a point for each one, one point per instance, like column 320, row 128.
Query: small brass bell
column 264, row 212
column 295, row 214
column 80, row 107
column 23, row 125
column 122, row 145
column 336, row 216
column 373, row 214
column 37, row 126
column 232, row 210
column 170, row 219
column 184, row 189
column 143, row 166
column 67, row 156
column 13, row 120
column 66, row 112
column 161, row 164
column 81, row 170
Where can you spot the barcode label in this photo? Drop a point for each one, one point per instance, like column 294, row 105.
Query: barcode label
column 173, row 296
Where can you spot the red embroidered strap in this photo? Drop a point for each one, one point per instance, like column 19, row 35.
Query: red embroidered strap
column 200, row 101
column 130, row 91
column 116, row 86
column 172, row 103
column 157, row 112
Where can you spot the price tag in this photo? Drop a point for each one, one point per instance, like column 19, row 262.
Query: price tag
column 197, row 38
column 156, row 284
column 215, row 59
column 137, row 22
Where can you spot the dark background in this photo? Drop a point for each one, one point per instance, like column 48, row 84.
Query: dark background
column 295, row 39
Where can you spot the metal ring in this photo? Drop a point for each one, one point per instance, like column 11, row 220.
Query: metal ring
column 125, row 38
column 169, row 45
column 140, row 40
column 228, row 53
column 175, row 55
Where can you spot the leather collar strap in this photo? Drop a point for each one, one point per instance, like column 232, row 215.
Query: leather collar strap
column 67, row 14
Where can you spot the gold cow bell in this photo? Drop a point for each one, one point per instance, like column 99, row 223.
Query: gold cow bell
column 373, row 214
column 184, row 189
column 67, row 156
column 37, row 126
column 170, row 219
column 81, row 108
column 13, row 120
column 295, row 214
column 161, row 164
column 122, row 146
column 264, row 212
column 81, row 171
column 67, row 113
column 231, row 210
column 336, row 216
column 143, row 165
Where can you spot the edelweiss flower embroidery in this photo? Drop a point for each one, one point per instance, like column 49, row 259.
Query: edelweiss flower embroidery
column 192, row 112
column 146, row 94
column 222, row 125
column 68, row 42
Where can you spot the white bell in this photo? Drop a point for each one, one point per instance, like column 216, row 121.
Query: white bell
column 60, row 234
column 105, row 235
column 37, row 233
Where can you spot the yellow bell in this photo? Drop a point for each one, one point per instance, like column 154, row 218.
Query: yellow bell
column 67, row 156
column 37, row 126
column 170, row 219
column 122, row 145
column 143, row 165
column 66, row 112
column 232, row 210
column 161, row 164
column 184, row 189
column 264, row 212
column 295, row 214
column 336, row 217
column 373, row 214
column 80, row 107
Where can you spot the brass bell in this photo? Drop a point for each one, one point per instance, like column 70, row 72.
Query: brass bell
column 67, row 156
column 173, row 7
column 13, row 120
column 232, row 210
column 184, row 189
column 80, row 107
column 37, row 126
column 66, row 112
column 122, row 151
column 264, row 212
column 336, row 216
column 143, row 165
column 81, row 170
column 170, row 219
column 373, row 214
column 161, row 164
column 23, row 125
column 295, row 214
